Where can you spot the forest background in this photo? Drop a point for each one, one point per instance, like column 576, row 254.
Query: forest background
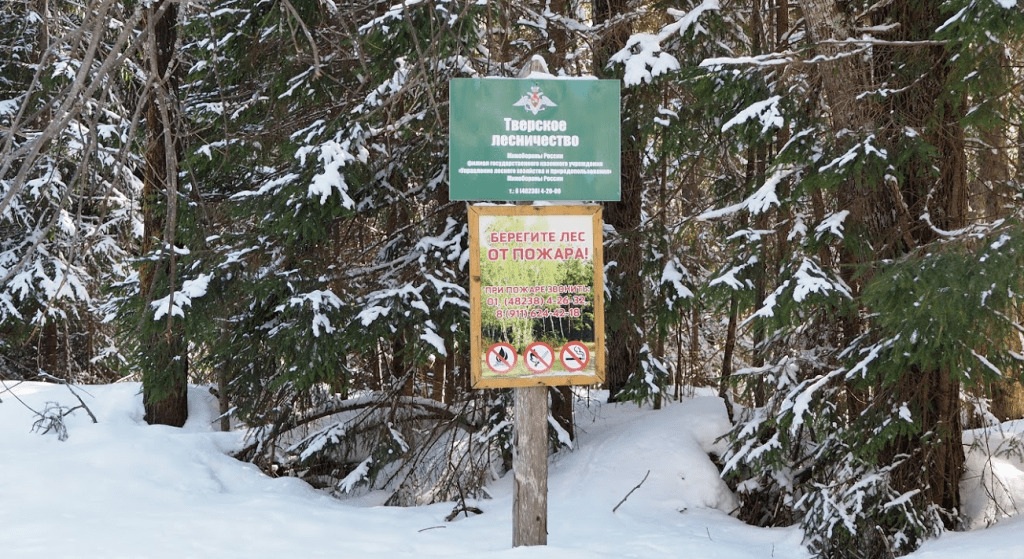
column 820, row 217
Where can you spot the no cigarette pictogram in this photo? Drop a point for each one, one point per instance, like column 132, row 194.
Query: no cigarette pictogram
column 575, row 356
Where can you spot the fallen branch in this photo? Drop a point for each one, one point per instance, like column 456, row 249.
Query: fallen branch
column 458, row 510
column 631, row 492
column 432, row 528
column 51, row 378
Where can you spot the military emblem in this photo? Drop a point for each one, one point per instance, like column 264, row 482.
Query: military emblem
column 535, row 101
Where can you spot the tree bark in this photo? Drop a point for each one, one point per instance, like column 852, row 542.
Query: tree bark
column 561, row 409
column 530, row 465
column 889, row 216
column 724, row 384
column 994, row 185
column 165, row 384
column 624, row 314
column 934, row 394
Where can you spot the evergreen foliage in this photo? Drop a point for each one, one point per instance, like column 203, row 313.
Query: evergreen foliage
column 823, row 220
column 67, row 186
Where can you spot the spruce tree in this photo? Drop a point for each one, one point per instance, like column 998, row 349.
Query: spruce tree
column 842, row 181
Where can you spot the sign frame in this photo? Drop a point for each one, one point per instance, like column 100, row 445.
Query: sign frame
column 554, row 238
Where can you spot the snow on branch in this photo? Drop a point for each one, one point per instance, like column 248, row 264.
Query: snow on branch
column 393, row 15
column 673, row 276
column 334, row 156
column 359, row 474
column 988, row 364
column 175, row 302
column 766, row 111
column 851, row 154
column 317, row 300
column 800, row 398
column 377, row 304
column 729, row 277
column 833, row 223
column 810, row 278
column 644, row 60
column 770, row 59
column 688, row 20
column 757, row 203
column 643, row 56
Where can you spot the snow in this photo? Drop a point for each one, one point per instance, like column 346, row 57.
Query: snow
column 8, row 107
column 643, row 56
column 644, row 60
column 767, row 112
column 674, row 277
column 758, row 202
column 190, row 289
column 432, row 338
column 119, row 488
column 334, row 156
column 833, row 223
column 317, row 300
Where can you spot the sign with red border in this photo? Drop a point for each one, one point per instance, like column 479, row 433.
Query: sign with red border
column 501, row 358
column 575, row 356
column 539, row 357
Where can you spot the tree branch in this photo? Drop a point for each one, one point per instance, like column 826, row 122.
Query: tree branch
column 631, row 492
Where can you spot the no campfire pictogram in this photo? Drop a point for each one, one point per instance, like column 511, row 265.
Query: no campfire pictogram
column 501, row 357
column 575, row 356
column 539, row 357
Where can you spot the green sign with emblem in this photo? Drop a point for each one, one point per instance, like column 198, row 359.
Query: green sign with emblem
column 534, row 139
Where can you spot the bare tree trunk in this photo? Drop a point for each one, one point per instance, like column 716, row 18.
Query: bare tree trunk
column 842, row 77
column 624, row 315
column 934, row 394
column 727, row 357
column 437, row 377
column 165, row 386
column 561, row 409
column 450, row 372
column 994, row 185
column 223, row 399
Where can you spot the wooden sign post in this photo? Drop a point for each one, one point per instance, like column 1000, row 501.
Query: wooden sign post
column 536, row 272
column 530, row 466
column 537, row 320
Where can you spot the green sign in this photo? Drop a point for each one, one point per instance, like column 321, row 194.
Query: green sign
column 526, row 139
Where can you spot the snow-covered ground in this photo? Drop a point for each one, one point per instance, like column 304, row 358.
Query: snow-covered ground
column 122, row 489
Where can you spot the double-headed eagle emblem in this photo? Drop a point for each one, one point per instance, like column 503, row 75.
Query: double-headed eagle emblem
column 535, row 101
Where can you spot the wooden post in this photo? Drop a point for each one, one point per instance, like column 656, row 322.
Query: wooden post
column 530, row 465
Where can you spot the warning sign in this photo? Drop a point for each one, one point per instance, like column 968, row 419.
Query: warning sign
column 575, row 356
column 539, row 357
column 501, row 358
column 536, row 295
